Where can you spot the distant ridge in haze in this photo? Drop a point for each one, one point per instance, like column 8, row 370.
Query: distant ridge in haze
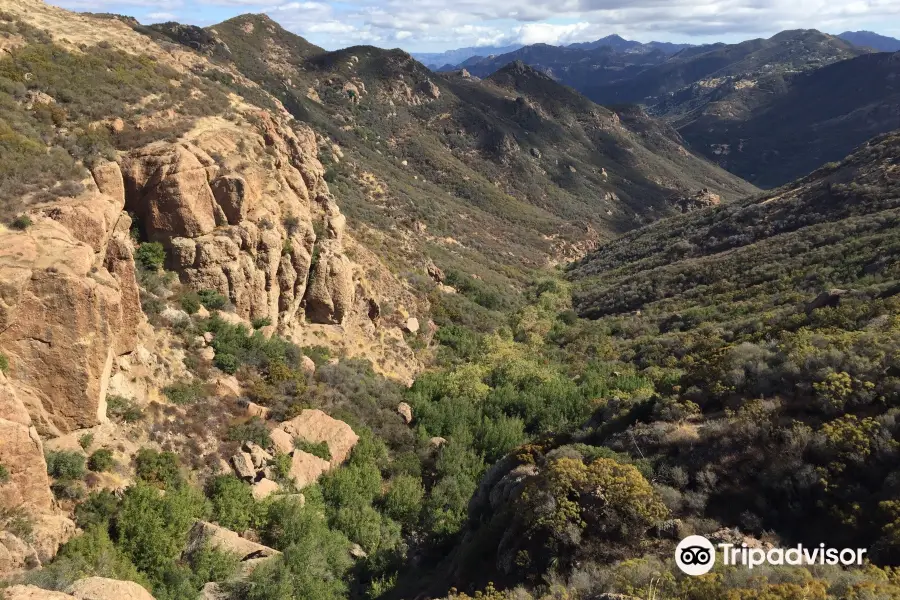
column 435, row 60
column 870, row 39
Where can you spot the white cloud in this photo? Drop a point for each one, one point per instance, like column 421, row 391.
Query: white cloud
column 162, row 16
column 437, row 24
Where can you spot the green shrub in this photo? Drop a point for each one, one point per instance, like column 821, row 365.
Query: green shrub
column 159, row 468
column 281, row 463
column 211, row 564
column 184, row 392
column 152, row 255
column 319, row 354
column 4, row 474
column 226, row 363
column 65, row 465
column 190, row 302
column 22, row 222
column 212, row 299
column 152, row 526
column 86, row 440
column 4, row 363
column 97, row 509
column 92, row 554
column 404, row 500
column 254, row 430
column 261, row 322
column 319, row 449
column 101, row 460
column 120, row 408
column 67, row 489
column 232, row 501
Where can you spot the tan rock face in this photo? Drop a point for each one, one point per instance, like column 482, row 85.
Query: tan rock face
column 250, row 553
column 315, row 426
column 69, row 305
column 307, row 468
column 167, row 187
column 21, row 454
column 101, row 588
column 242, row 224
column 30, row 592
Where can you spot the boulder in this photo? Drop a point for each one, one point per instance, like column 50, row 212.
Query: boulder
column 405, row 411
column 306, row 468
column 243, row 466
column 315, row 426
column 108, row 178
column 255, row 410
column 330, row 293
column 250, row 554
column 282, row 441
column 411, row 325
column 101, row 588
column 264, row 488
column 31, row 592
column 258, row 455
column 308, row 366
column 214, row 591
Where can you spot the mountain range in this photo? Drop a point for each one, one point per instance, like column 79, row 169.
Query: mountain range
column 728, row 100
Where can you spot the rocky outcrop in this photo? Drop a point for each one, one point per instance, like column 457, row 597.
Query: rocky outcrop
column 21, row 454
column 242, row 223
column 312, row 426
column 315, row 426
column 69, row 305
column 25, row 495
column 250, row 554
column 688, row 202
column 91, row 588
column 31, row 592
column 306, row 468
column 101, row 588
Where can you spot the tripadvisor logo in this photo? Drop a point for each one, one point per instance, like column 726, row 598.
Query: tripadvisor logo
column 696, row 555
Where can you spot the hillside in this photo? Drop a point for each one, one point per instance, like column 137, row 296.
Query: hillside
column 742, row 363
column 734, row 373
column 761, row 128
column 530, row 174
column 749, row 107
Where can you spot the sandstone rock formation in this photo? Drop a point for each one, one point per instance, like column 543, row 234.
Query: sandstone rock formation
column 251, row 554
column 691, row 201
column 26, row 493
column 69, row 305
column 30, row 592
column 101, row 588
column 242, row 223
column 315, row 426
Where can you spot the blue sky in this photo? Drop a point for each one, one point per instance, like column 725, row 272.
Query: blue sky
column 436, row 25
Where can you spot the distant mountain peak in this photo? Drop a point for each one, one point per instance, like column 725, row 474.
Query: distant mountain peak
column 870, row 39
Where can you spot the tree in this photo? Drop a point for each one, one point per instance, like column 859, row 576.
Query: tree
column 152, row 526
column 404, row 499
column 232, row 502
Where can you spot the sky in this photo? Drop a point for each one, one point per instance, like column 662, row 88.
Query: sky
column 438, row 25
